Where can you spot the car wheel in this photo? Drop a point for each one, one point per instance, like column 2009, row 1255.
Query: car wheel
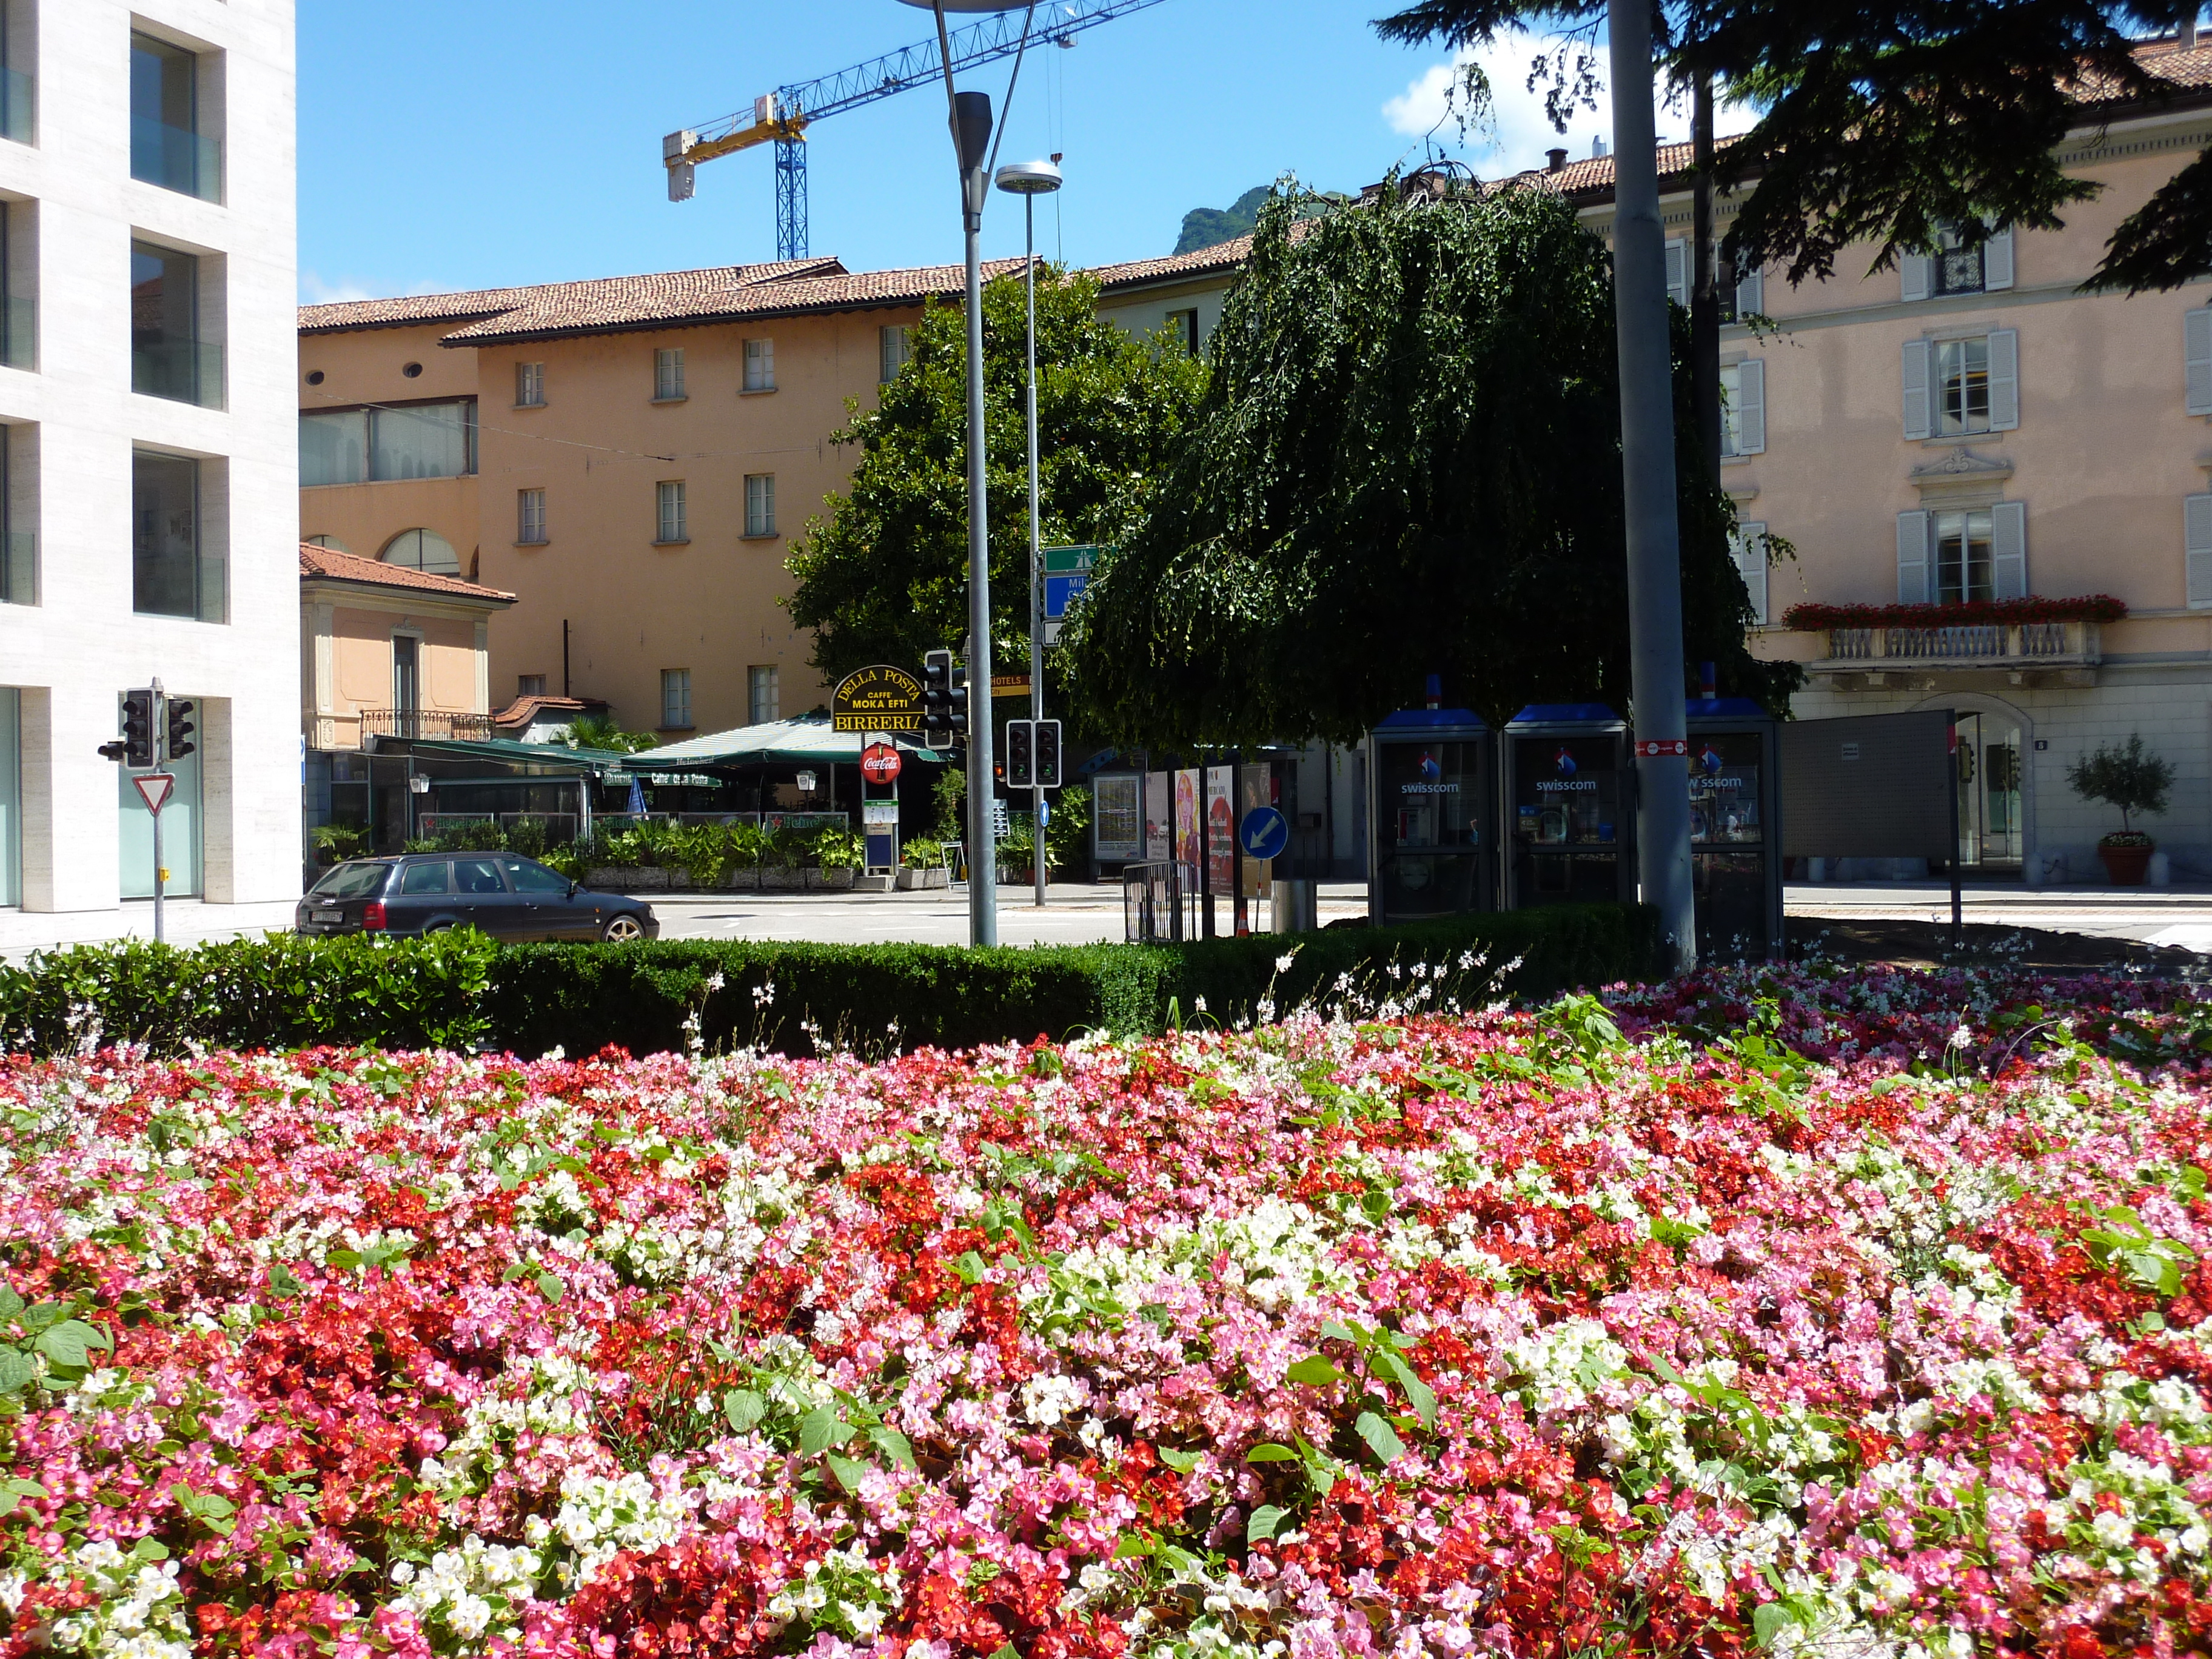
column 622, row 930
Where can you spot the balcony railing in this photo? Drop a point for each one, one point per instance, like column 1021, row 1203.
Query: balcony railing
column 187, row 371
column 15, row 92
column 433, row 724
column 2012, row 647
column 175, row 159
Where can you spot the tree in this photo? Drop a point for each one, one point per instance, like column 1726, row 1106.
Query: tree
column 601, row 732
column 2127, row 776
column 1408, row 462
column 883, row 578
column 1888, row 121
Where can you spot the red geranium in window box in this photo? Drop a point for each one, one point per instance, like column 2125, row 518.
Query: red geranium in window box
column 2086, row 607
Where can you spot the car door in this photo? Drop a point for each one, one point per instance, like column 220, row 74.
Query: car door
column 549, row 912
column 482, row 899
column 424, row 894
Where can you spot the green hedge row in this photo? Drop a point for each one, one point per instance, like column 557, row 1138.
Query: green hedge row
column 460, row 990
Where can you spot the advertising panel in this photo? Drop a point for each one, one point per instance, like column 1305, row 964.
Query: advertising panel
column 1221, row 827
column 1159, row 824
column 1117, row 819
column 1186, row 819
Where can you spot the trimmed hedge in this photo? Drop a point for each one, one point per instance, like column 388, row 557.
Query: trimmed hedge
column 460, row 990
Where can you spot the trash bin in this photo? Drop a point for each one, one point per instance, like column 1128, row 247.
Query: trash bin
column 1568, row 806
column 1735, row 829
column 1432, row 798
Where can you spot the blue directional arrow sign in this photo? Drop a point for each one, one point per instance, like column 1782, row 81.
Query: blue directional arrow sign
column 1264, row 833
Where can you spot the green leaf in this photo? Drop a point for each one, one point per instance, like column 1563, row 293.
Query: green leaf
column 520, row 1270
column 150, row 1549
column 11, row 1303
column 893, row 1445
column 72, row 1342
column 1380, row 1437
column 1314, row 1370
column 848, row 1471
column 343, row 1258
column 549, row 1287
column 970, row 1267
column 1422, row 1395
column 822, row 1428
column 1268, row 1452
column 1336, row 1331
column 18, row 1370
column 744, row 1408
column 281, row 1281
column 1183, row 1462
column 1267, row 1520
column 1769, row 1619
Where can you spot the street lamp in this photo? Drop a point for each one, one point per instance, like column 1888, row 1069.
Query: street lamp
column 971, row 140
column 1029, row 180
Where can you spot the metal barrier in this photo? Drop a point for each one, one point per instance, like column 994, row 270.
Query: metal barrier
column 1159, row 902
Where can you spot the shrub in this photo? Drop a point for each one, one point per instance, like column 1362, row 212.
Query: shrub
column 922, row 854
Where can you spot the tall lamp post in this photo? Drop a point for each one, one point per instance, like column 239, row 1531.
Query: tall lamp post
column 971, row 141
column 1029, row 180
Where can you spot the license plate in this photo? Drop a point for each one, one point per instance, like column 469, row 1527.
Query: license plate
column 326, row 915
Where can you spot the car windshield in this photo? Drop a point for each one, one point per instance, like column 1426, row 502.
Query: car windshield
column 349, row 881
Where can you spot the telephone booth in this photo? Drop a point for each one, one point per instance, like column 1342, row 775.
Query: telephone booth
column 1735, row 835
column 1568, row 807
column 1432, row 794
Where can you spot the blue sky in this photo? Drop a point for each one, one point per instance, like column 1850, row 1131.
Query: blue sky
column 475, row 144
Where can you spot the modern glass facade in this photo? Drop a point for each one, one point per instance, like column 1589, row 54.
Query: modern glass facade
column 11, row 796
column 180, row 826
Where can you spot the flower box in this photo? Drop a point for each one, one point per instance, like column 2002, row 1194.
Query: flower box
column 782, row 878
column 830, row 881
column 743, row 879
column 912, row 881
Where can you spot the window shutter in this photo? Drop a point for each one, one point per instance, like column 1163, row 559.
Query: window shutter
column 1912, row 558
column 1919, row 418
column 2004, row 379
column 2008, row 550
column 1997, row 262
column 1750, row 406
column 2197, row 532
column 1751, row 564
column 2197, row 344
column 1916, row 274
column 1751, row 293
column 1678, row 270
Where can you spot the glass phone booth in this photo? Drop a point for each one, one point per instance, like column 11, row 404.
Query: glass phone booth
column 1432, row 796
column 1568, row 807
column 1735, row 838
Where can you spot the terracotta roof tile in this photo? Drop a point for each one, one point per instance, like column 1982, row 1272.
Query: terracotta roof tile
column 480, row 304
column 1222, row 256
column 524, row 709
column 330, row 565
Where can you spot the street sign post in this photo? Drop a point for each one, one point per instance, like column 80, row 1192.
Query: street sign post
column 1067, row 573
column 880, row 763
column 155, row 789
column 1265, row 834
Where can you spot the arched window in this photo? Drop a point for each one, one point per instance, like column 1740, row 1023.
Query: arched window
column 422, row 550
column 331, row 542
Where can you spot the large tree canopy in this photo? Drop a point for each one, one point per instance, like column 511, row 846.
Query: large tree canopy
column 884, row 577
column 1886, row 120
column 1408, row 462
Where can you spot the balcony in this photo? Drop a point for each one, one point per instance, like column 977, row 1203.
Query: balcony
column 184, row 370
column 433, row 724
column 175, row 159
column 2025, row 653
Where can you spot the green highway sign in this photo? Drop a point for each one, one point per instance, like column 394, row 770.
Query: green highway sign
column 1069, row 561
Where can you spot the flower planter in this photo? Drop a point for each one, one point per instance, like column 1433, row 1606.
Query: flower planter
column 746, row 879
column 679, row 881
column 912, row 881
column 610, row 877
column 2126, row 866
column 781, row 877
column 831, row 881
column 878, row 882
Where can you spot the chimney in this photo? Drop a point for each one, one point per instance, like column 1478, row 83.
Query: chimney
column 1555, row 160
column 1597, row 149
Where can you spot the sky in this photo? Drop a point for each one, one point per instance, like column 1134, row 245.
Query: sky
column 449, row 144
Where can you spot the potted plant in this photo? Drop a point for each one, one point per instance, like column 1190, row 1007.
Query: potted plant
column 838, row 855
column 921, row 865
column 2134, row 779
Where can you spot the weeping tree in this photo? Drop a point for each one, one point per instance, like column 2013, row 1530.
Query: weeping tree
column 883, row 577
column 1408, row 462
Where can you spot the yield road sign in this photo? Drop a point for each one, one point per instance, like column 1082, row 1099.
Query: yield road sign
column 154, row 787
column 1264, row 833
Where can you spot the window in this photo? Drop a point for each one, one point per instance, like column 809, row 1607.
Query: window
column 668, row 375
column 529, row 685
column 897, row 347
column 1949, row 555
column 763, row 700
column 529, row 385
column 422, row 441
column 19, row 269
column 2197, row 359
column 1960, row 387
column 760, row 504
column 17, row 80
column 530, row 517
column 1741, row 293
column 167, row 146
column 19, row 514
column 476, row 876
column 1678, row 271
column 331, row 542
column 675, row 698
column 1952, row 267
column 528, row 876
column 1743, row 408
column 671, row 527
column 1749, row 548
column 1183, row 325
column 406, row 679
column 169, row 576
column 422, row 550
column 420, row 878
column 2197, row 538
column 168, row 358
column 760, row 365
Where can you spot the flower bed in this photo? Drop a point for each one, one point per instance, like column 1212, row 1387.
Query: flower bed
column 1496, row 1335
column 2086, row 607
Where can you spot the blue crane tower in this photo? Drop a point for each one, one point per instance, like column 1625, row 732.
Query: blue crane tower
column 782, row 116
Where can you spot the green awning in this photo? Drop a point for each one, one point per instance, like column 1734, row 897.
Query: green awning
column 775, row 743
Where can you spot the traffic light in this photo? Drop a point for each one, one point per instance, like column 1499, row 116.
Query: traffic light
column 179, row 744
column 138, row 728
column 1021, row 754
column 937, row 699
column 959, row 703
column 1048, row 754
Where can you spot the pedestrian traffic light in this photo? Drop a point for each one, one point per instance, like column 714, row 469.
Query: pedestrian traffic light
column 937, row 699
column 1048, row 754
column 1021, row 754
column 179, row 743
column 138, row 728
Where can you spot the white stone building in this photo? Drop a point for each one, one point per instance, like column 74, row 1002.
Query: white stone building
column 147, row 362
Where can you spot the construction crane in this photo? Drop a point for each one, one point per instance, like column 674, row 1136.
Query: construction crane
column 782, row 116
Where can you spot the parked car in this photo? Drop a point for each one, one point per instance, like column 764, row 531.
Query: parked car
column 501, row 894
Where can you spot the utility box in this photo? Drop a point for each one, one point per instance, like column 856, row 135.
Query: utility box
column 1735, row 828
column 1432, row 802
column 1568, row 805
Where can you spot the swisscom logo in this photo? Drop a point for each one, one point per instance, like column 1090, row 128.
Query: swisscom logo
column 1709, row 762
column 1564, row 764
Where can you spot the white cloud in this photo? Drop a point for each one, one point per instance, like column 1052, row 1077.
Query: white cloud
column 1517, row 131
column 314, row 291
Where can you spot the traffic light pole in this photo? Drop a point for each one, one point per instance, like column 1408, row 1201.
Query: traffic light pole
column 161, row 872
column 1037, row 577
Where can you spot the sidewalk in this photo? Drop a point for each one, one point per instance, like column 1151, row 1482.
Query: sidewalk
column 2153, row 915
column 187, row 922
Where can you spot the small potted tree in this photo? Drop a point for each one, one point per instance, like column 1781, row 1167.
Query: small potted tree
column 2134, row 779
